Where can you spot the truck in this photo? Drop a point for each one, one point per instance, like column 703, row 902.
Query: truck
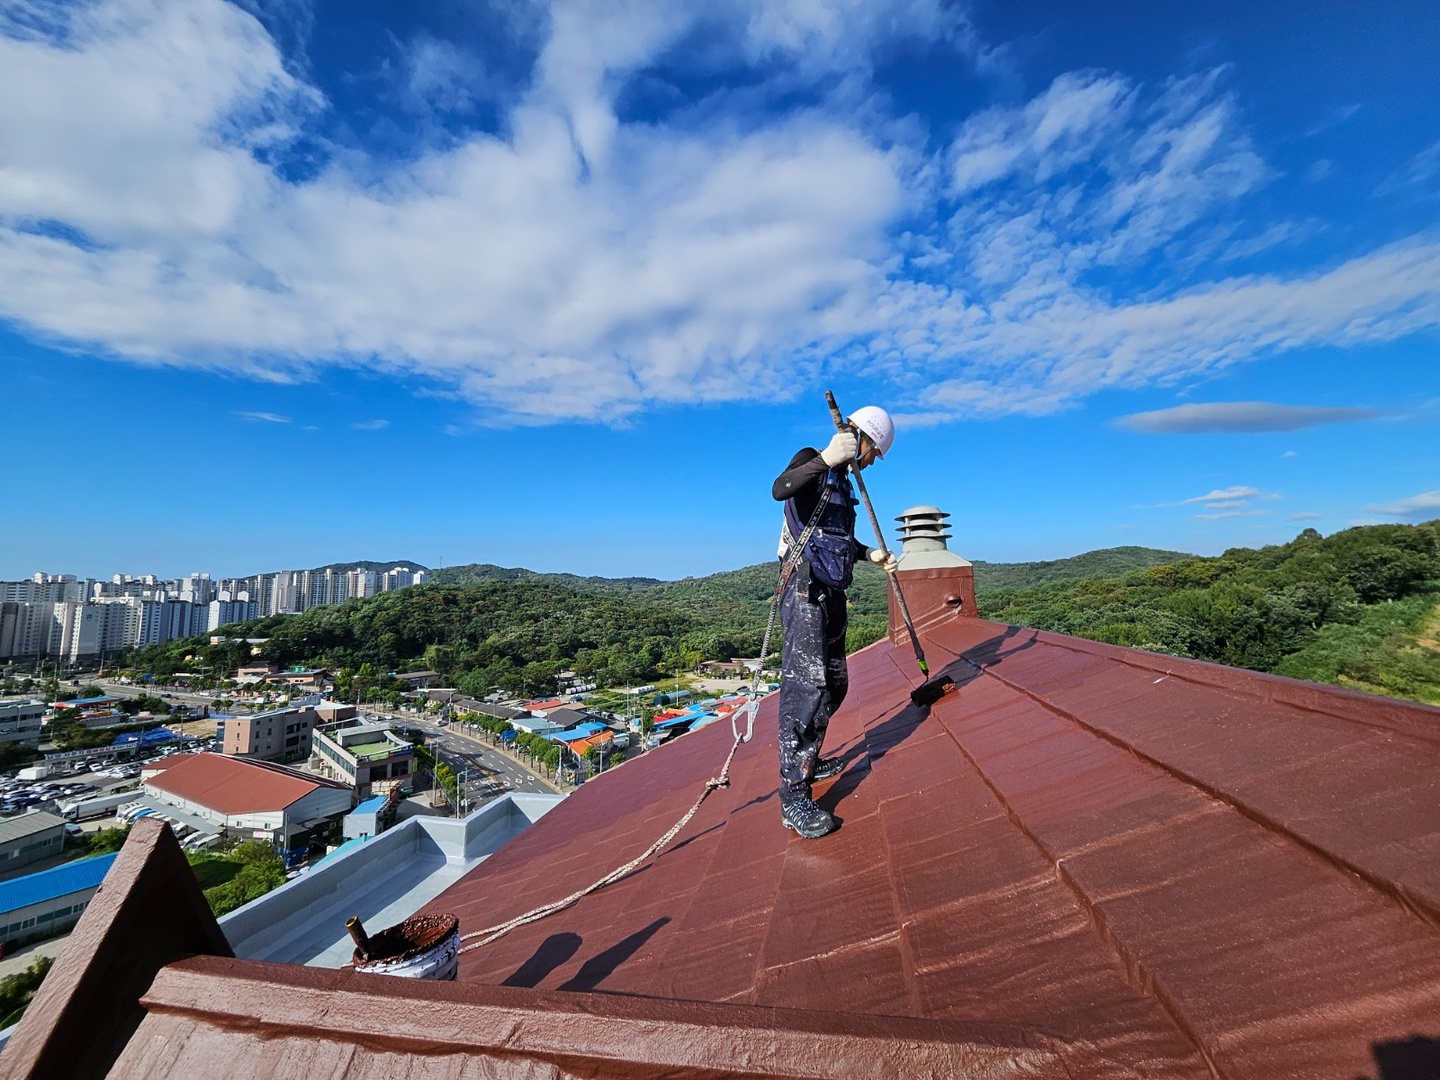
column 100, row 805
column 34, row 772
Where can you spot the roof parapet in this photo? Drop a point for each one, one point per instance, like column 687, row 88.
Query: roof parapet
column 938, row 584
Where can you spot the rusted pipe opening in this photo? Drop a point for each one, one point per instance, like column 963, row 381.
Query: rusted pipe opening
column 357, row 932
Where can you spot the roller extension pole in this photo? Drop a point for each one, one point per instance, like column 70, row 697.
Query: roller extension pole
column 840, row 425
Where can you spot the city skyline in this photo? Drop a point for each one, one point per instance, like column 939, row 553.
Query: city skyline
column 76, row 619
column 561, row 285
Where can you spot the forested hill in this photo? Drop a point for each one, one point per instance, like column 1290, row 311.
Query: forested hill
column 478, row 573
column 1358, row 607
column 758, row 582
column 1106, row 562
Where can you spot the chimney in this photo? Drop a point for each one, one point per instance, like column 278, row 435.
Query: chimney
column 938, row 584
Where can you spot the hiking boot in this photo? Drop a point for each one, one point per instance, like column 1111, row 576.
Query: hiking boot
column 807, row 819
column 827, row 767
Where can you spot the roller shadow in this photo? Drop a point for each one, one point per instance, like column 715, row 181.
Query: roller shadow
column 877, row 741
column 553, row 951
column 1415, row 1058
column 601, row 966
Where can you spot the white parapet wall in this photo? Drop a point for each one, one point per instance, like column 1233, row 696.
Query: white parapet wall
column 382, row 880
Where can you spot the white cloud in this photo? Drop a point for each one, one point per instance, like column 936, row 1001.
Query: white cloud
column 1306, row 515
column 1420, row 175
column 1240, row 416
column 1424, row 505
column 1230, row 493
column 264, row 417
column 1223, row 514
column 370, row 425
column 581, row 266
column 1227, row 502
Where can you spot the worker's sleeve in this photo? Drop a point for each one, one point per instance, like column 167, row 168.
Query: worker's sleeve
column 805, row 469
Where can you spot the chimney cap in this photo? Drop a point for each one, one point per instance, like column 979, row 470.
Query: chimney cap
column 922, row 512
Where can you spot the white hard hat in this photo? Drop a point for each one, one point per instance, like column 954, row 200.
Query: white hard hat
column 875, row 422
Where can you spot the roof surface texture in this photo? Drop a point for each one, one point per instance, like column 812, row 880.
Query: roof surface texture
column 1087, row 862
column 232, row 786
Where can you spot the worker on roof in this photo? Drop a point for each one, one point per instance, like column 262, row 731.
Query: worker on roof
column 818, row 497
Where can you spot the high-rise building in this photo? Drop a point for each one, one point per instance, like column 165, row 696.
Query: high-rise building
column 223, row 612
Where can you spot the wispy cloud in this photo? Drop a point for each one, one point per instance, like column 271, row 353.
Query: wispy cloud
column 1221, row 515
column 1229, row 494
column 1239, row 416
column 370, row 425
column 1424, row 505
column 1334, row 118
column 264, row 417
column 1306, row 515
column 577, row 264
column 1420, row 175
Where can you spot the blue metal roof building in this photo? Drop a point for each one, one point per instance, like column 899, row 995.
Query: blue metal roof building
column 45, row 904
column 579, row 731
column 32, row 889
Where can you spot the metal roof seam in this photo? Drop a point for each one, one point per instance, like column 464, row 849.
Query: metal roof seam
column 1416, row 906
column 1277, row 689
column 1140, row 979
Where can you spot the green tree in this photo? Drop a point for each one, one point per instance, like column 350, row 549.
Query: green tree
column 18, row 990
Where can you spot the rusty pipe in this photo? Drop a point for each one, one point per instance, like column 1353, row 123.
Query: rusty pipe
column 357, row 932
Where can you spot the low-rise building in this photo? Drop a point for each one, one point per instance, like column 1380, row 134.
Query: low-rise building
column 331, row 711
column 46, row 903
column 418, row 680
column 29, row 838
column 313, row 678
column 253, row 673
column 89, row 704
column 283, row 735
column 535, row 725
column 20, row 720
column 254, row 799
column 365, row 754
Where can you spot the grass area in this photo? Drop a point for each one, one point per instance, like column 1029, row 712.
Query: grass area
column 211, row 871
column 1389, row 651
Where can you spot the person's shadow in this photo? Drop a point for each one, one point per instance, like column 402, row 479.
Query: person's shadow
column 557, row 949
column 875, row 742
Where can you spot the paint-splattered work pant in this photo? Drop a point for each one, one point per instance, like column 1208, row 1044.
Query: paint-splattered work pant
column 815, row 677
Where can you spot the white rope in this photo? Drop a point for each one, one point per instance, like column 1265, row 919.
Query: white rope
column 491, row 933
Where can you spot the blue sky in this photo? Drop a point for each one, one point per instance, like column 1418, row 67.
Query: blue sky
column 561, row 285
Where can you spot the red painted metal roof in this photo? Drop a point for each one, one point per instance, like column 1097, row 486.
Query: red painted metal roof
column 1175, row 867
column 231, row 785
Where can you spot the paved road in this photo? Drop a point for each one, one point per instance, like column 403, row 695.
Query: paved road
column 491, row 771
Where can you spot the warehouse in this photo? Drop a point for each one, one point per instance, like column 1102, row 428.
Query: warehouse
column 29, row 838
column 44, row 904
column 254, row 799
